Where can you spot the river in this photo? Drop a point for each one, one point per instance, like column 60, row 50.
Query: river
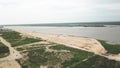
column 110, row 33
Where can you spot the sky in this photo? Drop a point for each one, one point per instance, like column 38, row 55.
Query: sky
column 58, row 11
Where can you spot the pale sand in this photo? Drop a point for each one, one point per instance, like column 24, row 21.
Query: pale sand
column 115, row 57
column 87, row 44
column 10, row 64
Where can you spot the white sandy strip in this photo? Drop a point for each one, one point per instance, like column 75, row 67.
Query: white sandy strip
column 113, row 57
column 10, row 64
column 87, row 44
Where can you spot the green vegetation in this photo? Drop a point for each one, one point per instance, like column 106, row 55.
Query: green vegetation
column 98, row 62
column 61, row 47
column 61, row 56
column 4, row 51
column 111, row 48
column 78, row 59
column 79, row 55
column 43, row 57
column 40, row 57
column 24, row 41
column 16, row 39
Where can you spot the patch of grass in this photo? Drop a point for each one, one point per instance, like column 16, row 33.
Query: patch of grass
column 92, row 61
column 63, row 47
column 98, row 62
column 20, row 49
column 50, row 58
column 111, row 48
column 79, row 55
column 10, row 35
column 39, row 57
column 87, row 64
column 4, row 51
column 42, row 57
column 16, row 39
column 24, row 41
column 60, row 47
column 79, row 59
column 28, row 64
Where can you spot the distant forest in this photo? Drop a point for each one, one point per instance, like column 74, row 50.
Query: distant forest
column 77, row 24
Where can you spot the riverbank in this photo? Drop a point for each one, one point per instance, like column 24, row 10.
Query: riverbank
column 87, row 44
column 67, row 51
column 111, row 34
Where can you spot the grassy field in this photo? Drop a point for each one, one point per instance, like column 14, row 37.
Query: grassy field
column 54, row 59
column 111, row 48
column 79, row 55
column 98, row 62
column 41, row 57
column 4, row 51
column 74, row 58
column 16, row 39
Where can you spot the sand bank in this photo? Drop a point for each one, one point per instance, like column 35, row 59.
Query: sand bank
column 10, row 64
column 87, row 44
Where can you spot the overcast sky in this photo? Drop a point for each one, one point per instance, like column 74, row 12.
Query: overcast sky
column 57, row 11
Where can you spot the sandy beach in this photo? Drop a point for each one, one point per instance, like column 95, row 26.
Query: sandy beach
column 10, row 64
column 87, row 44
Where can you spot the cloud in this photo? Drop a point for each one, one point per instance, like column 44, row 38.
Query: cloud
column 9, row 3
column 112, row 6
column 30, row 11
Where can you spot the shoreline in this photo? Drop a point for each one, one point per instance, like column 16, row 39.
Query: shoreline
column 95, row 33
column 82, row 43
column 86, row 44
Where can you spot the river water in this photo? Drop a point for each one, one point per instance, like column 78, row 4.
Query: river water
column 111, row 33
